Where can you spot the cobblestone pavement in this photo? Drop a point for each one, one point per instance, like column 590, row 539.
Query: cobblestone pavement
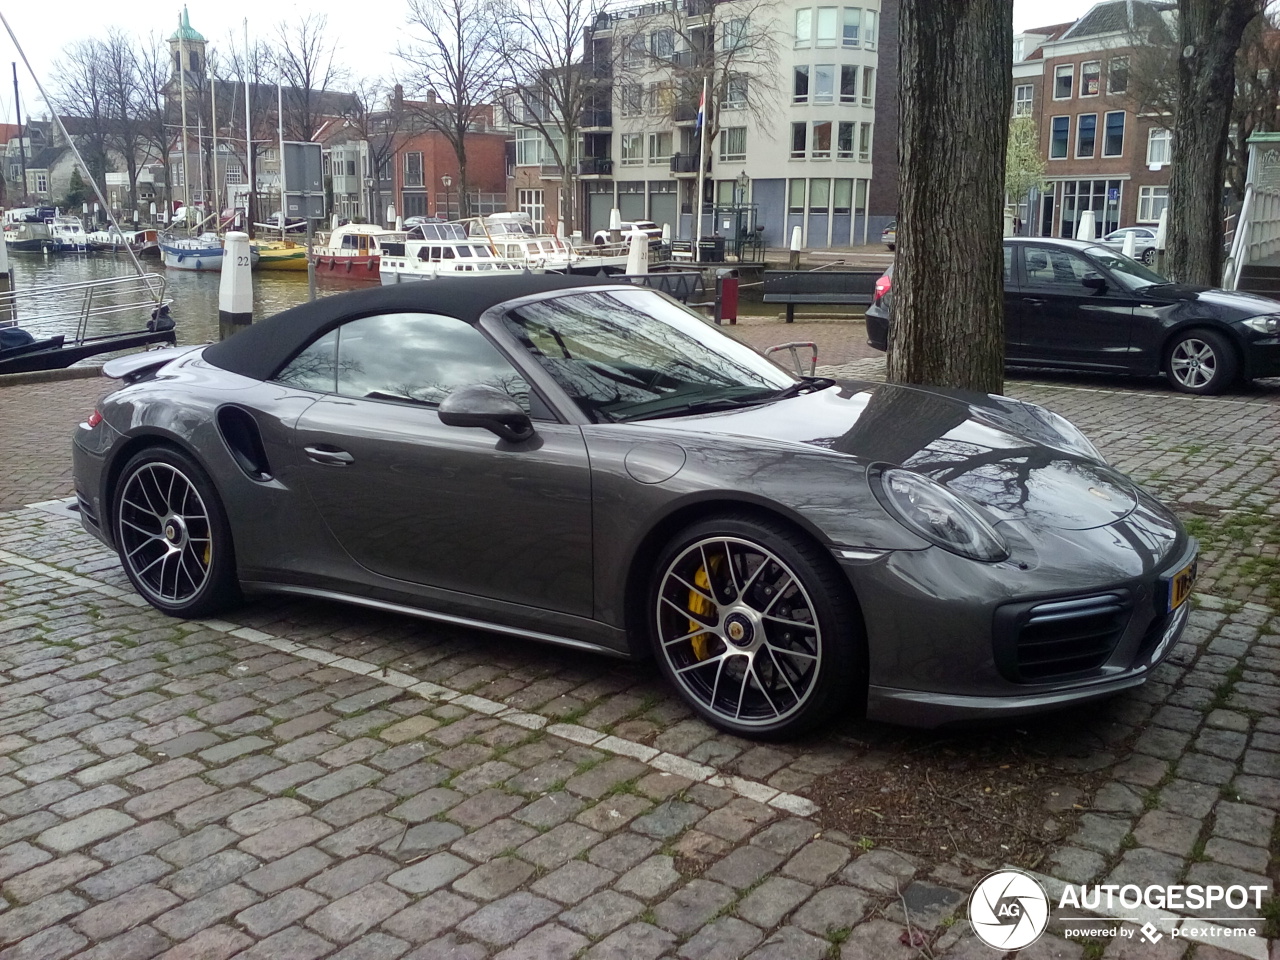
column 309, row 780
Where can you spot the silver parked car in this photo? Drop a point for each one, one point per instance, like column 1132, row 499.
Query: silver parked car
column 1144, row 246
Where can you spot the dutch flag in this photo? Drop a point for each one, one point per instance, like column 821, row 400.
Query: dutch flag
column 702, row 105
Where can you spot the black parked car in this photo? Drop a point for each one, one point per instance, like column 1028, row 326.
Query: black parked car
column 1083, row 306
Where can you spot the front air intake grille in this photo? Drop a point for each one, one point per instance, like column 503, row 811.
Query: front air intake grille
column 1060, row 639
column 86, row 508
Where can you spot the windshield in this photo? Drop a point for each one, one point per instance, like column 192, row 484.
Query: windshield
column 633, row 354
column 1130, row 273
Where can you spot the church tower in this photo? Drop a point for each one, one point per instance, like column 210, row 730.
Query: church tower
column 189, row 44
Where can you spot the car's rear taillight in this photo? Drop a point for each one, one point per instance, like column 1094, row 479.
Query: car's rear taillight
column 882, row 286
column 95, row 418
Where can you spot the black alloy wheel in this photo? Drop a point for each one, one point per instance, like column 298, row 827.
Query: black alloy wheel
column 756, row 627
column 172, row 534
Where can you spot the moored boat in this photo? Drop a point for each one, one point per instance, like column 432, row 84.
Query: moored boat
column 432, row 250
column 354, row 250
column 68, row 235
column 195, row 253
column 279, row 255
column 144, row 243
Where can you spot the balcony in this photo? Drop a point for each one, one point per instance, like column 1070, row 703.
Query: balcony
column 595, row 167
column 685, row 113
column 551, row 171
column 597, row 118
column 687, row 163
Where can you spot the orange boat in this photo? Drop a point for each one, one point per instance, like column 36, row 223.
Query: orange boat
column 355, row 250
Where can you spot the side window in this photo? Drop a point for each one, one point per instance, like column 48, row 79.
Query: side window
column 316, row 367
column 1056, row 268
column 407, row 357
column 420, row 358
column 1008, row 266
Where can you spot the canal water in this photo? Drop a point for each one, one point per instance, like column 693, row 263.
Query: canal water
column 194, row 293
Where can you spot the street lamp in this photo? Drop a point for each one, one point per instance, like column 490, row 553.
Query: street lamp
column 743, row 182
column 448, row 182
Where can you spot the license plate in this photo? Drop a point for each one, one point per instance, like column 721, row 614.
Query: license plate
column 1180, row 585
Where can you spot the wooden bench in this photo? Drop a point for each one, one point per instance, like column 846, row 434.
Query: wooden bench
column 844, row 287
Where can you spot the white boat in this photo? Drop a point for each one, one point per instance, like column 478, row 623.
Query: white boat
column 433, row 250
column 68, row 235
column 513, row 237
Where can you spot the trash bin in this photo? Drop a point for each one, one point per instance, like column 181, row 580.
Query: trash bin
column 711, row 250
column 727, row 296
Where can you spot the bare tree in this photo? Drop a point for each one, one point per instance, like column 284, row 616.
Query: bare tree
column 457, row 63
column 377, row 116
column 730, row 49
column 305, row 62
column 548, row 86
column 152, row 110
column 1210, row 33
column 82, row 97
column 122, row 85
column 948, row 309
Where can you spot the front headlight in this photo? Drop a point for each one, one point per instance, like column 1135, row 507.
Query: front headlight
column 1263, row 324
column 935, row 513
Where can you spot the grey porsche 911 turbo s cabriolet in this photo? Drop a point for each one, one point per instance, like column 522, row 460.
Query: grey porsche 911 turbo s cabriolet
column 591, row 464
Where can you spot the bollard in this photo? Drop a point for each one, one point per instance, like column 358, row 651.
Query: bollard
column 795, row 248
column 8, row 306
column 1130, row 246
column 1161, row 233
column 1087, row 228
column 615, row 225
column 638, row 254
column 727, row 296
column 235, row 289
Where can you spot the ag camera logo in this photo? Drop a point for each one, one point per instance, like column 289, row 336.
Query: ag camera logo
column 1009, row 910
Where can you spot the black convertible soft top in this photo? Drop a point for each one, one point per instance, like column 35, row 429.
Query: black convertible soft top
column 261, row 349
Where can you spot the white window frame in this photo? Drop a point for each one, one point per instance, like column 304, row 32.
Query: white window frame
column 816, row 153
column 1097, row 64
column 808, row 76
column 831, row 13
column 1023, row 99
column 868, row 86
column 631, row 149
column 656, row 154
column 421, row 181
column 1123, row 133
column 865, row 133
column 1079, row 126
column 1058, row 71
column 1067, row 152
column 870, row 27
column 1159, row 141
column 816, row 92
column 803, row 130
column 851, row 17
column 1151, row 200
column 851, row 128
column 1110, row 67
column 804, row 28
column 733, row 144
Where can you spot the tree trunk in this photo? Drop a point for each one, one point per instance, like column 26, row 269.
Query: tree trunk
column 1209, row 34
column 948, row 305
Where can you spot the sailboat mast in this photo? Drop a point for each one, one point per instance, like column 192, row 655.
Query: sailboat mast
column 213, row 122
column 22, row 149
column 248, row 137
column 280, row 132
column 182, row 93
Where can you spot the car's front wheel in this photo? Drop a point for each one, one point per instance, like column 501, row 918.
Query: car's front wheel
column 172, row 534
column 756, row 627
column 1201, row 361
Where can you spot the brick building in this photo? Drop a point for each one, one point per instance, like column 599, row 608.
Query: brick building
column 1102, row 151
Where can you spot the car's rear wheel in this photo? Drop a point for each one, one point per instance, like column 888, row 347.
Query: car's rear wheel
column 756, row 627
column 1201, row 361
column 1148, row 256
column 172, row 534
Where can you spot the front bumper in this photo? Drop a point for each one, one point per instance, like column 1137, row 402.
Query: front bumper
column 942, row 655
column 1261, row 355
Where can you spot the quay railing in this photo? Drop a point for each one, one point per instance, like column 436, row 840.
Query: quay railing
column 49, row 309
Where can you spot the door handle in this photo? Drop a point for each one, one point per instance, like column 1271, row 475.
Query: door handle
column 1033, row 301
column 331, row 457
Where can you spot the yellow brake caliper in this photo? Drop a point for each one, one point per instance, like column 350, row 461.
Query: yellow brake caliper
column 700, row 605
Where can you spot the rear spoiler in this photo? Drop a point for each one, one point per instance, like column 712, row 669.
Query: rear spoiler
column 135, row 366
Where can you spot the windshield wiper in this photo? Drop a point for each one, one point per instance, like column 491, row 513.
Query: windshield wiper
column 710, row 405
column 803, row 385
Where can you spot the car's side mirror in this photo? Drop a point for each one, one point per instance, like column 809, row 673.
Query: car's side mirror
column 1095, row 283
column 481, row 405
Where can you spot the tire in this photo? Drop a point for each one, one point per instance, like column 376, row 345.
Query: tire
column 783, row 648
column 1201, row 361
column 172, row 535
column 1148, row 256
column 890, row 246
